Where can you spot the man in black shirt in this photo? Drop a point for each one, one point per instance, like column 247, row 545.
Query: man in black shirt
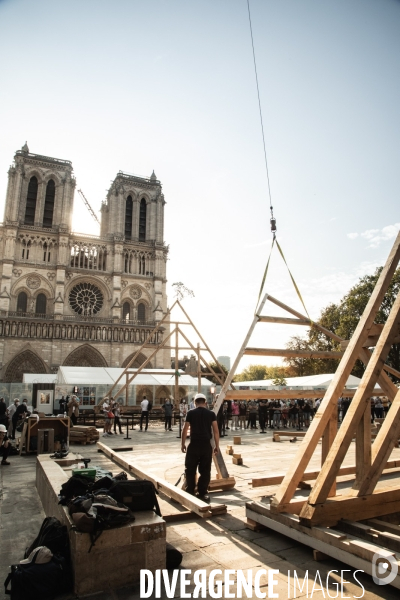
column 203, row 423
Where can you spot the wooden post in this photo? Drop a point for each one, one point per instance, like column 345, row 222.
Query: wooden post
column 126, row 391
column 363, row 446
column 327, row 441
column 198, row 370
column 176, row 364
column 239, row 357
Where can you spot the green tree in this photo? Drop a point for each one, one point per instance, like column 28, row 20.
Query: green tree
column 279, row 381
column 342, row 319
column 220, row 369
column 258, row 372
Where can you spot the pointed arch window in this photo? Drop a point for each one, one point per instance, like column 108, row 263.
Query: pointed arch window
column 22, row 302
column 49, row 204
column 26, row 246
column 128, row 217
column 142, row 264
column 142, row 220
column 46, row 252
column 126, row 311
column 31, row 201
column 41, row 302
column 141, row 312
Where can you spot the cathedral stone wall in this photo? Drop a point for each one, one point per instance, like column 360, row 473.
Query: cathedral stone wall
column 67, row 298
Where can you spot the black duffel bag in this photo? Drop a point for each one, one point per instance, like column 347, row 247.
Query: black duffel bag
column 136, row 495
column 33, row 582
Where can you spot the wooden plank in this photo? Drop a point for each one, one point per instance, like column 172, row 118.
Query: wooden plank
column 309, row 475
column 335, row 537
column 359, row 404
column 187, row 500
column 382, row 502
column 305, row 538
column 284, row 321
column 291, row 353
column 352, row 551
column 327, row 441
column 384, row 526
column 226, row 483
column 386, row 539
column 228, row 381
column 369, row 342
column 289, row 433
column 303, row 317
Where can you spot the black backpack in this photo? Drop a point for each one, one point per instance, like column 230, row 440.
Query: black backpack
column 136, row 495
column 54, row 536
column 75, row 486
column 93, row 513
column 45, row 581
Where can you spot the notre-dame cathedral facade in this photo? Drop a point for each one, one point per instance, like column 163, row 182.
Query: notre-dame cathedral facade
column 73, row 299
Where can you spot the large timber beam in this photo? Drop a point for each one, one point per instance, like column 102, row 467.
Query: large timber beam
column 168, row 489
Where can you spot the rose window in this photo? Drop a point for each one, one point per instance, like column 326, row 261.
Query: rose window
column 86, row 299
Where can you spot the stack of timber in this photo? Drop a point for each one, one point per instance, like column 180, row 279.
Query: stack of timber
column 352, row 542
column 83, row 434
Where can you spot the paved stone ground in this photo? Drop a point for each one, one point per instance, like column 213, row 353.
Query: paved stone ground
column 221, row 543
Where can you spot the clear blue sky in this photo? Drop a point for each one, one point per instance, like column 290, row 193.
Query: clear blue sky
column 169, row 85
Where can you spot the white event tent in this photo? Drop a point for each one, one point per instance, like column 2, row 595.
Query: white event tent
column 308, row 382
column 109, row 375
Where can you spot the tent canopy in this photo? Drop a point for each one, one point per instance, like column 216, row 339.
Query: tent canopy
column 109, row 375
column 321, row 381
column 39, row 378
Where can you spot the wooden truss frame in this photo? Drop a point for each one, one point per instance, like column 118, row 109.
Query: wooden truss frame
column 322, row 505
column 174, row 333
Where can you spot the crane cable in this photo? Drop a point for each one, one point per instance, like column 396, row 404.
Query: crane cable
column 272, row 219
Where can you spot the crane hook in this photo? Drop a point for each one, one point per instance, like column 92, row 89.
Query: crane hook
column 273, row 221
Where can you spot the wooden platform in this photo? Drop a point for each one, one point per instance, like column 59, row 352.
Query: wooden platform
column 353, row 543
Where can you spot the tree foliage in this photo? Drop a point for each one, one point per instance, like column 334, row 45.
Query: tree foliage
column 342, row 319
column 257, row 372
column 220, row 369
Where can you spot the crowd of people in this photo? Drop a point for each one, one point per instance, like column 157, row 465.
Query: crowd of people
column 265, row 414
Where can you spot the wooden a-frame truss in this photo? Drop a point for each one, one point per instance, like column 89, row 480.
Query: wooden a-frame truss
column 174, row 333
column 364, row 500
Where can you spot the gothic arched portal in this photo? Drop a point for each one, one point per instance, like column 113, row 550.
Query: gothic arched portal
column 85, row 356
column 138, row 362
column 24, row 362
